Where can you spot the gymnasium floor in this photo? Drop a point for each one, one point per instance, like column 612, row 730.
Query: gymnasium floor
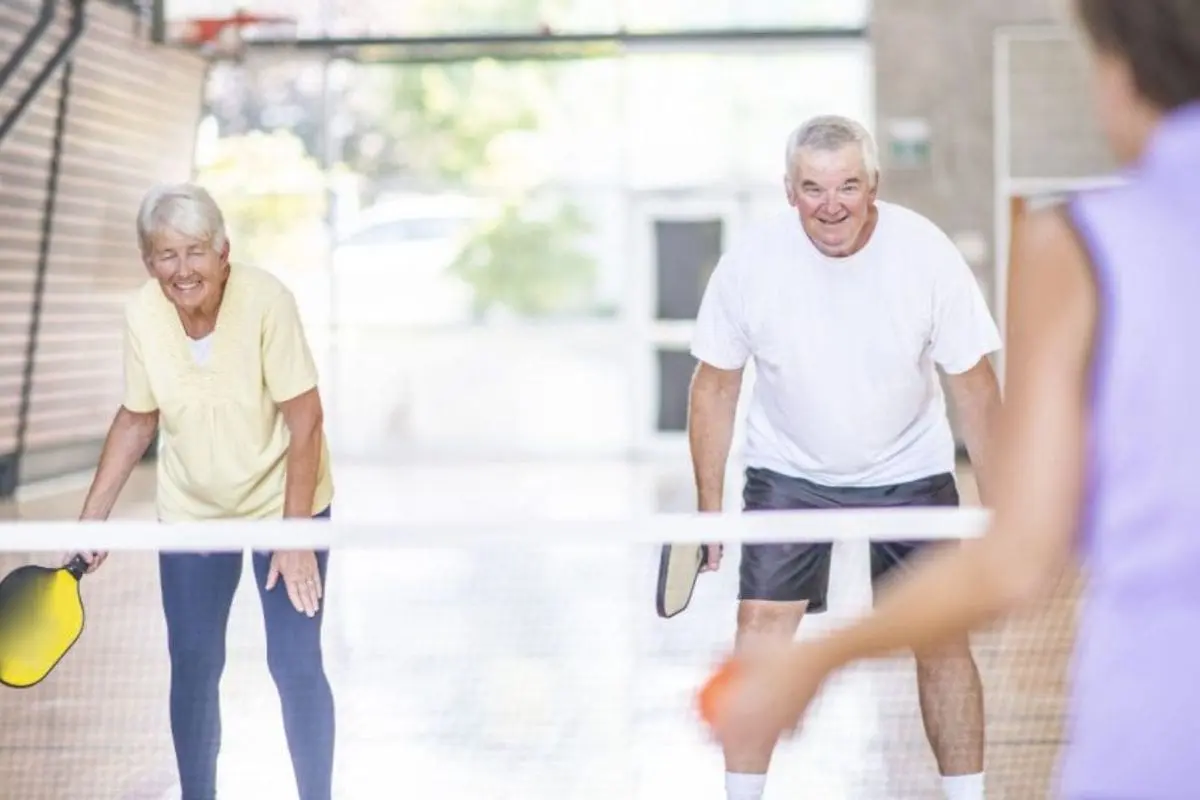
column 515, row 673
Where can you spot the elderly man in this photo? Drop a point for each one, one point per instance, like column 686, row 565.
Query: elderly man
column 847, row 305
column 216, row 355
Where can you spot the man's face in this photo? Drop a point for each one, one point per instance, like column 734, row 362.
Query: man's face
column 834, row 195
column 190, row 272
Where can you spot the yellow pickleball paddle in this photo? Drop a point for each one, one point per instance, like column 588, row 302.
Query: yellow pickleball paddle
column 41, row 618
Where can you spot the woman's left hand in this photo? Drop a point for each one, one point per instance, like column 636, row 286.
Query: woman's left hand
column 298, row 568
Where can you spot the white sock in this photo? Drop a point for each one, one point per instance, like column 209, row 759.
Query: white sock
column 963, row 787
column 744, row 786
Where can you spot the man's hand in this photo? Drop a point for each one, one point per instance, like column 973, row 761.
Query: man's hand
column 298, row 568
column 713, row 562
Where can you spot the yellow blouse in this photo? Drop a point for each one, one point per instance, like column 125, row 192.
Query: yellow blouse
column 224, row 441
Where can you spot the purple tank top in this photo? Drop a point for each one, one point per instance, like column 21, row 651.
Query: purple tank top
column 1134, row 725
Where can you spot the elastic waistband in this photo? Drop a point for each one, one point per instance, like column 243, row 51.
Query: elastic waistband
column 786, row 491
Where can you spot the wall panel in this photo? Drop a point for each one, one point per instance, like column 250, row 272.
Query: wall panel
column 131, row 114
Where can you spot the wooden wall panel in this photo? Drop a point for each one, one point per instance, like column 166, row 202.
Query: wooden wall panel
column 131, row 116
column 25, row 156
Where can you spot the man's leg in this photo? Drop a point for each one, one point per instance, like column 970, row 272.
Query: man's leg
column 759, row 622
column 778, row 584
column 951, row 696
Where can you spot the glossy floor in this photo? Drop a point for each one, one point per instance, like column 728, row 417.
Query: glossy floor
column 506, row 673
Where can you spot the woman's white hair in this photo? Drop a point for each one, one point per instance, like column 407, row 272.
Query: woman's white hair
column 829, row 133
column 184, row 208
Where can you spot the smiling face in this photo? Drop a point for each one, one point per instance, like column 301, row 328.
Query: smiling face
column 190, row 271
column 181, row 233
column 834, row 194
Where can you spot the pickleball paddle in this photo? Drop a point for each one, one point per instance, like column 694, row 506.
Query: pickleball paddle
column 41, row 618
column 678, row 567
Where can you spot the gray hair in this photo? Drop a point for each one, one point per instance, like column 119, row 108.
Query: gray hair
column 832, row 132
column 184, row 208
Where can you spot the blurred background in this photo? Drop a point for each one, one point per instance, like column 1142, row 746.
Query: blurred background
column 498, row 215
column 506, row 252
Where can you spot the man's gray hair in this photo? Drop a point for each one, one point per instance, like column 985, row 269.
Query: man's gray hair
column 184, row 208
column 831, row 132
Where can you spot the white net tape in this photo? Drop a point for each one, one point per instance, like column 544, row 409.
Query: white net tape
column 760, row 527
column 510, row 660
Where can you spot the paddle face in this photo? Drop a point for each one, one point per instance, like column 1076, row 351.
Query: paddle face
column 678, row 567
column 41, row 617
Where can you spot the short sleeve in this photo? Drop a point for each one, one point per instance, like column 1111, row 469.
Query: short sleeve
column 288, row 367
column 139, row 395
column 720, row 338
column 964, row 331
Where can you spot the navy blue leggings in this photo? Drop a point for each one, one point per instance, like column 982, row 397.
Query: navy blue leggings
column 197, row 593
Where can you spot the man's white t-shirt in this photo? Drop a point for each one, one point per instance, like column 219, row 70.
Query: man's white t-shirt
column 846, row 390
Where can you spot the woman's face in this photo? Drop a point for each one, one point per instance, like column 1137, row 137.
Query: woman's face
column 190, row 271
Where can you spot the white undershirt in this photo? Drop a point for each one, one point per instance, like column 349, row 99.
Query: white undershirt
column 201, row 349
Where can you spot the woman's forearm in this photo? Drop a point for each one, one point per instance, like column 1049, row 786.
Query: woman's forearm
column 953, row 593
column 303, row 466
column 305, row 422
column 128, row 437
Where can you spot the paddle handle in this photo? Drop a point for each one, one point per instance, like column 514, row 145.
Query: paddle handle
column 77, row 566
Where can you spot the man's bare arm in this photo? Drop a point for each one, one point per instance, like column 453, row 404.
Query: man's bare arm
column 976, row 398
column 711, row 414
column 712, row 411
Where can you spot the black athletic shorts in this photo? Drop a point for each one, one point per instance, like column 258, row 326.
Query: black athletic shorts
column 797, row 572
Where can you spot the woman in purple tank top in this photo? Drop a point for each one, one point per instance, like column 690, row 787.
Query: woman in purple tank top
column 1098, row 450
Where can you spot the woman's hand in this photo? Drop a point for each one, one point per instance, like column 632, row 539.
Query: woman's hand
column 93, row 559
column 770, row 694
column 298, row 568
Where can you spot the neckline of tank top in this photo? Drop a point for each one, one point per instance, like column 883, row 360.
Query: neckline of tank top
column 1177, row 138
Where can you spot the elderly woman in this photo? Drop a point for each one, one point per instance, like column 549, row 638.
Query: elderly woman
column 216, row 356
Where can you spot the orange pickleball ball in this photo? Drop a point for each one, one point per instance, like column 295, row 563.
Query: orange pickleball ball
column 715, row 691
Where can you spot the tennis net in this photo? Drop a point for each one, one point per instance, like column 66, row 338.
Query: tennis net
column 514, row 659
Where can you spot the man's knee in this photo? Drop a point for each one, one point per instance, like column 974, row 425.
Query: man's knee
column 767, row 621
